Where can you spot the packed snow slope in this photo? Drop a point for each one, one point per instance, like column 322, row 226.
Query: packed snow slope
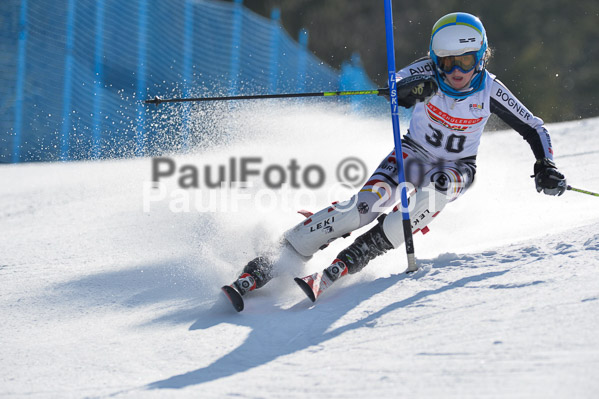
column 100, row 297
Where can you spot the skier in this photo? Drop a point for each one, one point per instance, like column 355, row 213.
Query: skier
column 453, row 96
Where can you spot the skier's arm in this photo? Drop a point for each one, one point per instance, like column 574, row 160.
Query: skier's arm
column 416, row 83
column 507, row 107
column 422, row 66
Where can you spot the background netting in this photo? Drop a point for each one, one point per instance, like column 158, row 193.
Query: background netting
column 74, row 73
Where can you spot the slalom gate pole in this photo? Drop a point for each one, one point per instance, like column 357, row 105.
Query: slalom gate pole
column 407, row 226
column 380, row 92
column 578, row 190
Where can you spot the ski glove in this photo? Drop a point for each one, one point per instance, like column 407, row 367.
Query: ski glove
column 414, row 89
column 547, row 178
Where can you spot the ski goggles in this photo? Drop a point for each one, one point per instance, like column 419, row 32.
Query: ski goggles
column 465, row 62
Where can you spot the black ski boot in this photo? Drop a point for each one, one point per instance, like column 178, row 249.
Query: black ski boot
column 254, row 275
column 368, row 246
column 351, row 260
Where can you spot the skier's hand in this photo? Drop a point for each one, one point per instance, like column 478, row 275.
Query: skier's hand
column 415, row 89
column 548, row 179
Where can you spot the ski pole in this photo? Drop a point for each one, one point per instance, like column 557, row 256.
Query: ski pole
column 407, row 225
column 380, row 92
column 578, row 190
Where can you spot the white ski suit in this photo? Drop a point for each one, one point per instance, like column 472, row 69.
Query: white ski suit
column 440, row 151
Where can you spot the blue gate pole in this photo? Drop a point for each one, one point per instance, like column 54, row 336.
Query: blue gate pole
column 407, row 226
column 187, row 69
column 98, row 78
column 273, row 77
column 235, row 46
column 67, row 90
column 142, row 31
column 302, row 60
column 21, row 64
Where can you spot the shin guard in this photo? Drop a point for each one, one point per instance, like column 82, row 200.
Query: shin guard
column 318, row 230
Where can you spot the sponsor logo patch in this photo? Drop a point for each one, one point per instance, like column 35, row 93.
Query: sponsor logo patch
column 451, row 122
column 513, row 104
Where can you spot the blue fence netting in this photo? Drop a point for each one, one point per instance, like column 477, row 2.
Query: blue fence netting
column 74, row 73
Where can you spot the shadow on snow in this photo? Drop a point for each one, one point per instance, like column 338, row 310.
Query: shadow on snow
column 297, row 328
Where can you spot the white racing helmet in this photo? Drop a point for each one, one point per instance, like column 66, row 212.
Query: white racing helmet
column 458, row 34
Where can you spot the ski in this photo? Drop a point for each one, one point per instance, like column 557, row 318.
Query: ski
column 233, row 296
column 314, row 285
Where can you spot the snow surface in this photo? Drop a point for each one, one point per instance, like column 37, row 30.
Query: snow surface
column 100, row 298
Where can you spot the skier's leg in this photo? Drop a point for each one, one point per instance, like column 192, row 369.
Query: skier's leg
column 365, row 248
column 447, row 182
column 301, row 242
column 318, row 230
column 340, row 219
column 378, row 240
column 428, row 203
